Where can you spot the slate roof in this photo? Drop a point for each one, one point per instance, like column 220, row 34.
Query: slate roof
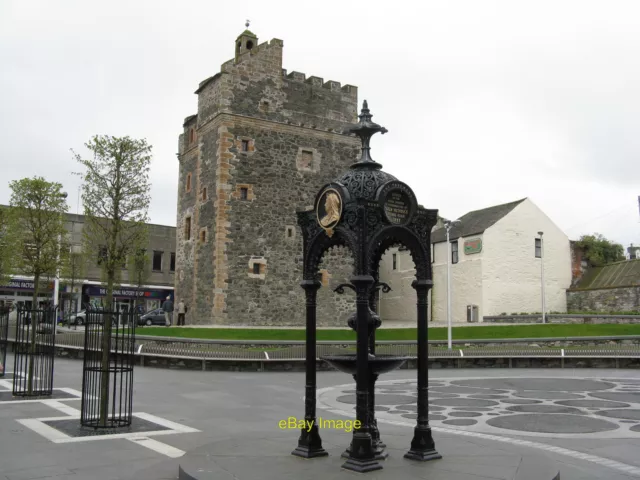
column 475, row 222
column 619, row 274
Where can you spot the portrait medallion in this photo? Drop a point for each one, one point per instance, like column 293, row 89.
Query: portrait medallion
column 329, row 210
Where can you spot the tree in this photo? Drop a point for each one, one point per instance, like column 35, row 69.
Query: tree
column 115, row 195
column 600, row 251
column 139, row 270
column 7, row 245
column 37, row 211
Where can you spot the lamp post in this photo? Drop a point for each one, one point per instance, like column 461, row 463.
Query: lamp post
column 56, row 281
column 542, row 275
column 448, row 225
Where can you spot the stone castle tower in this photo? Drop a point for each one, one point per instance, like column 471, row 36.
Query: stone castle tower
column 261, row 145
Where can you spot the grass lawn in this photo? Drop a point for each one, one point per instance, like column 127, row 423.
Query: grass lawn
column 440, row 333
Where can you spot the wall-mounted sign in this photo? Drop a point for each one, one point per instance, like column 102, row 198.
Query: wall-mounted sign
column 97, row 291
column 25, row 285
column 472, row 246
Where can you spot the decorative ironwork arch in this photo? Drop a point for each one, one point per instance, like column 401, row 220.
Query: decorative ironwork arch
column 393, row 235
column 320, row 244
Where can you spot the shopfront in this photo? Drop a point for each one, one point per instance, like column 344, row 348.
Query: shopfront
column 20, row 291
column 127, row 297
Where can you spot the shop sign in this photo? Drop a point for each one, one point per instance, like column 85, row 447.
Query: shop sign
column 472, row 246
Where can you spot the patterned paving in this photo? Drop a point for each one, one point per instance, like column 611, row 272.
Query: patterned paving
column 542, row 407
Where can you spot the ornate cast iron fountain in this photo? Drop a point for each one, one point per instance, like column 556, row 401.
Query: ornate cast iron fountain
column 367, row 211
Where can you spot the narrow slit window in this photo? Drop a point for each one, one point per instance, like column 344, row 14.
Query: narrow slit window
column 245, row 145
column 256, row 269
column 244, row 193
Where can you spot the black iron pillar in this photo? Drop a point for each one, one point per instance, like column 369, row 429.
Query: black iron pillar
column 4, row 338
column 361, row 455
column 310, row 443
column 422, row 444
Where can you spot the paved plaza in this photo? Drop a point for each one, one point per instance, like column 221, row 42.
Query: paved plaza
column 488, row 424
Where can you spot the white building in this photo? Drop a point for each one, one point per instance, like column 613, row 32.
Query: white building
column 495, row 267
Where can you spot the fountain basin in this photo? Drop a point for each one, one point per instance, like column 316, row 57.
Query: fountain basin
column 377, row 363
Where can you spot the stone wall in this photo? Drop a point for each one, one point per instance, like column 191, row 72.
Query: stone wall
column 559, row 318
column 620, row 299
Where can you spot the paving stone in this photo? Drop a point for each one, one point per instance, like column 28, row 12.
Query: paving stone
column 465, row 414
column 463, row 402
column 592, row 404
column 627, row 414
column 545, row 409
column 553, row 384
column 552, row 423
column 462, row 422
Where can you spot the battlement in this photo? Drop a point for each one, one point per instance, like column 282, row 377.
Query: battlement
column 254, row 83
column 319, row 82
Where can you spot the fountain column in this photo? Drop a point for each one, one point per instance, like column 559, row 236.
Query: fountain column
column 362, row 456
column 310, row 443
column 422, row 444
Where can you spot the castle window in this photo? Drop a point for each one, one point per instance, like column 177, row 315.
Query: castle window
column 245, row 145
column 203, row 236
column 188, row 184
column 244, row 193
column 307, row 158
column 289, row 232
column 204, row 194
column 249, row 45
column 172, row 264
column 256, row 269
column 187, row 228
column 192, row 136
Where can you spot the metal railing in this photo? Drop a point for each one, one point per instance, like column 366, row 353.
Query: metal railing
column 283, row 350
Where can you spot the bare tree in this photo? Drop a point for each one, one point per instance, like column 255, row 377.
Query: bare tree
column 115, row 195
column 37, row 211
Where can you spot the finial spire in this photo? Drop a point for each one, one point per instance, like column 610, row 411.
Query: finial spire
column 247, row 23
column 365, row 129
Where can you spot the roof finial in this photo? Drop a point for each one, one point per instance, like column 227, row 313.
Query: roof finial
column 247, row 23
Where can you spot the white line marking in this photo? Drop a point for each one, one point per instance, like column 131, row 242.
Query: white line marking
column 166, row 423
column 461, row 353
column 266, row 355
column 70, row 391
column 74, row 412
column 159, row 447
column 8, row 384
column 43, row 429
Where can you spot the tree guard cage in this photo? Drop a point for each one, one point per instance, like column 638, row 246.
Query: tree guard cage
column 368, row 211
column 34, row 351
column 4, row 335
column 107, row 368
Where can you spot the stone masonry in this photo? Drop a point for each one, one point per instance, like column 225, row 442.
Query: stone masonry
column 261, row 145
column 618, row 299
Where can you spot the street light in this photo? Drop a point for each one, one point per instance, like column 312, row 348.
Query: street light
column 448, row 225
column 56, row 281
column 542, row 276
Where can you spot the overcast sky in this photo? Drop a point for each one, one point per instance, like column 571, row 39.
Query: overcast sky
column 486, row 102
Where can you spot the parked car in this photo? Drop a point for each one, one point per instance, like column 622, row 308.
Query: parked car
column 152, row 317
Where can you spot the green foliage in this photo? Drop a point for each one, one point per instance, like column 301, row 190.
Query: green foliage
column 37, row 209
column 8, row 244
column 435, row 333
column 599, row 251
column 116, row 198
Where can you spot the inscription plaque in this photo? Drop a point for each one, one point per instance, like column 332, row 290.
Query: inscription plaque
column 397, row 207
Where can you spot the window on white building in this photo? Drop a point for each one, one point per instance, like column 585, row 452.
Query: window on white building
column 454, row 251
column 538, row 245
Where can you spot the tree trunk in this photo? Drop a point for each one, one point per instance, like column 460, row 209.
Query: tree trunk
column 32, row 325
column 106, row 351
